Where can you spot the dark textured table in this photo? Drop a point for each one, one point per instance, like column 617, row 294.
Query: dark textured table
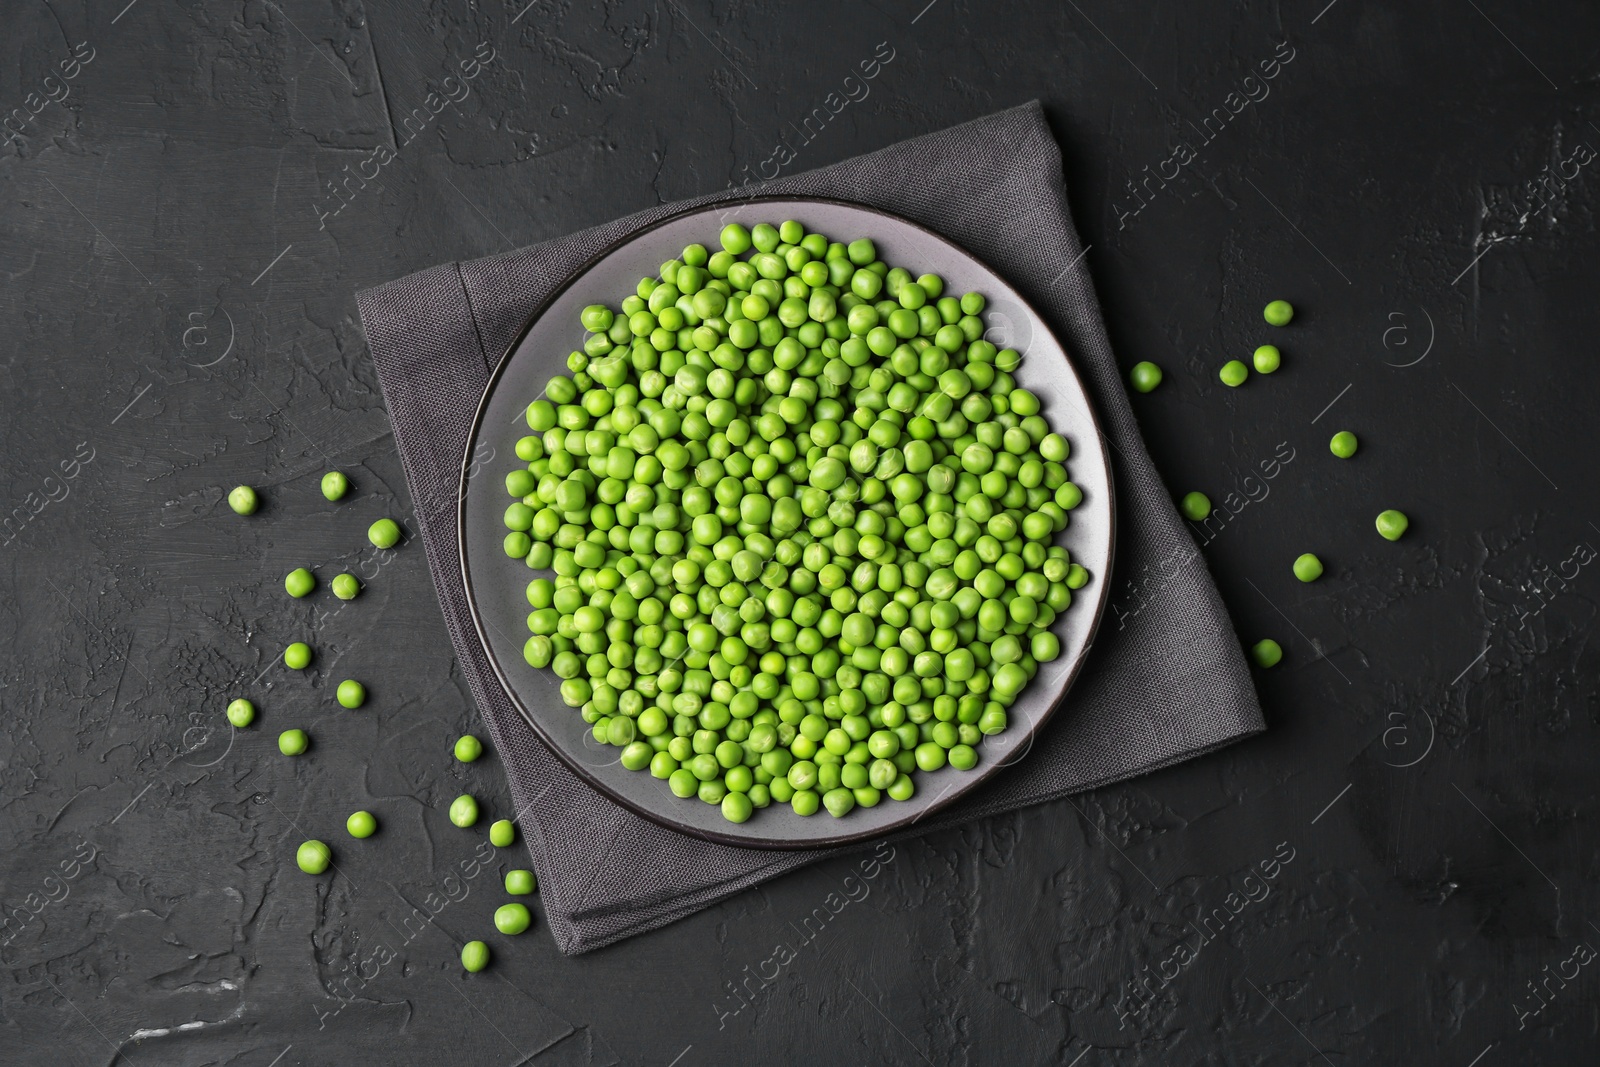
column 1395, row 873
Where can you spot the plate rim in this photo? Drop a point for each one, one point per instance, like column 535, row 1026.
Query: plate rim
column 582, row 770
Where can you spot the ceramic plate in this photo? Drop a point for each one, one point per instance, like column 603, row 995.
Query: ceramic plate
column 495, row 584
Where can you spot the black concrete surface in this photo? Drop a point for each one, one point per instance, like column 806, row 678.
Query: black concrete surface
column 190, row 194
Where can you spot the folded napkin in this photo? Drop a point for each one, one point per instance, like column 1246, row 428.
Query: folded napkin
column 1166, row 680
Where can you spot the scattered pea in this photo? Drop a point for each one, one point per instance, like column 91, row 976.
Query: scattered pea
column 346, row 586
column 297, row 656
column 1267, row 359
column 293, row 742
column 335, row 485
column 351, row 693
column 1077, row 577
column 299, row 582
column 243, row 500
column 1233, row 373
column 1308, row 568
column 384, row 533
column 512, row 918
column 464, row 810
column 313, row 856
column 474, row 956
column 241, row 712
column 361, row 824
column 1278, row 313
column 1344, row 444
column 1195, row 506
column 520, row 883
column 1392, row 524
column 1145, row 376
column 1266, row 653
column 502, row 833
column 468, row 748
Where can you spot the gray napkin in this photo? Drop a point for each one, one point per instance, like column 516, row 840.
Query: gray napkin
column 1166, row 680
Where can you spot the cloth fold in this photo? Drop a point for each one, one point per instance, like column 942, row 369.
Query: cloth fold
column 1165, row 682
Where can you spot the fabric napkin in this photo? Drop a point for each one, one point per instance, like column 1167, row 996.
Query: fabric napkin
column 1166, row 680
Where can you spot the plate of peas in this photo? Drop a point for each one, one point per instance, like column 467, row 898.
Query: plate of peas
column 798, row 526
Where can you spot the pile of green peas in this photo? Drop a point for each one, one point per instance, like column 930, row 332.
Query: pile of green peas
column 800, row 517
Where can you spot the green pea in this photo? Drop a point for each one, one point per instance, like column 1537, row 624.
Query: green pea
column 1195, row 506
column 735, row 239
column 521, row 883
column 468, row 748
column 313, row 856
column 1009, row 680
column 335, row 485
column 861, row 251
column 502, row 832
column 1233, row 373
column 1344, row 444
column 474, row 955
column 345, row 586
column 520, row 483
column 512, row 918
column 299, row 582
column 464, row 810
column 243, row 500
column 293, row 742
column 736, row 807
column 384, row 533
column 297, row 656
column 1278, row 313
column 541, row 414
column 1308, row 568
column 839, row 802
column 1392, row 524
column 1266, row 358
column 1266, row 653
column 1144, row 376
column 351, row 694
column 241, row 712
column 361, row 824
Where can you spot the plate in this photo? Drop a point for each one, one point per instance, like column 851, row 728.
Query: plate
column 495, row 584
